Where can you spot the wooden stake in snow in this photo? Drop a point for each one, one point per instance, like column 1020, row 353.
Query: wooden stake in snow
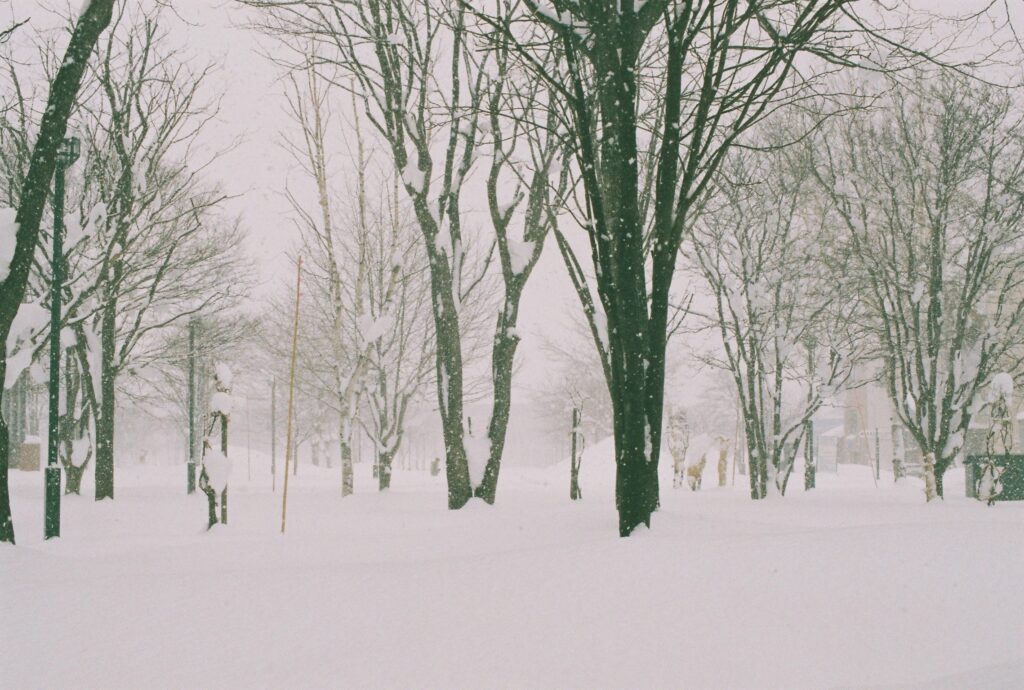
column 291, row 395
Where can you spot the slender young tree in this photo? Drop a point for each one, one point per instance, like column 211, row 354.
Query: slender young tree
column 367, row 280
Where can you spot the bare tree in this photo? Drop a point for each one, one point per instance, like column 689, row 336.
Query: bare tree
column 157, row 253
column 776, row 307
column 434, row 127
column 656, row 92
column 52, row 128
column 368, row 280
column 929, row 193
column 401, row 356
column 576, row 379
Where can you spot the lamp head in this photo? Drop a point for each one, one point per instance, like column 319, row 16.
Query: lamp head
column 68, row 152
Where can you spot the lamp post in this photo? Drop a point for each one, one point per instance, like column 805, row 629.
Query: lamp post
column 67, row 154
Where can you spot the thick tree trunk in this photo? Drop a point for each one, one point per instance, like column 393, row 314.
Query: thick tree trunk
column 635, row 345
column 940, row 471
column 502, row 357
column 635, row 492
column 105, row 420
column 384, row 461
column 449, row 391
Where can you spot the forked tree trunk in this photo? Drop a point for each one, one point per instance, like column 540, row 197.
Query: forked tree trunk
column 73, row 477
column 211, row 499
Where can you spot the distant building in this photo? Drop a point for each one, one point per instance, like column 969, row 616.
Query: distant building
column 23, row 411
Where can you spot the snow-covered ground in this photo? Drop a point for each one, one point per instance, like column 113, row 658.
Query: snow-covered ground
column 850, row 585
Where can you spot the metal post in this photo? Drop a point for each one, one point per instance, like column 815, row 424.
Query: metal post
column 224, row 450
column 878, row 455
column 67, row 154
column 273, row 433
column 248, row 440
column 192, row 406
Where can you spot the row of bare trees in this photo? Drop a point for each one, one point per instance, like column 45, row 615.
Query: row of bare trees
column 438, row 97
column 623, row 118
column 886, row 248
column 31, row 200
column 148, row 245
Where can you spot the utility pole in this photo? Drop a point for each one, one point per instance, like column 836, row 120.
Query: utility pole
column 67, row 153
column 291, row 395
column 192, row 405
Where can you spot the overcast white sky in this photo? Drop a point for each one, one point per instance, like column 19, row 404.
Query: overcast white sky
column 256, row 169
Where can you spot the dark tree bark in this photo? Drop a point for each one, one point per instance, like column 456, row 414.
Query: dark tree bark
column 36, row 187
column 503, row 354
column 107, row 405
column 73, row 478
column 72, row 427
column 384, row 461
column 211, row 499
column 736, row 62
column 810, row 461
column 940, row 470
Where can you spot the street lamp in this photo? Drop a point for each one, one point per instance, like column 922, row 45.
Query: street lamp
column 67, row 154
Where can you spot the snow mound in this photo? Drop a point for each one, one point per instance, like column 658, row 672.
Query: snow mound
column 224, row 374
column 1002, row 386
column 218, row 468
column 221, row 402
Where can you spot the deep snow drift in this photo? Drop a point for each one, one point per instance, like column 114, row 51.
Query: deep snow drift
column 846, row 586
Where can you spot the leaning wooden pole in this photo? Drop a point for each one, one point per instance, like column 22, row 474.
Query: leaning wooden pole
column 291, row 395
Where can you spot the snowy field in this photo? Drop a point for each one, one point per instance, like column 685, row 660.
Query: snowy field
column 849, row 586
